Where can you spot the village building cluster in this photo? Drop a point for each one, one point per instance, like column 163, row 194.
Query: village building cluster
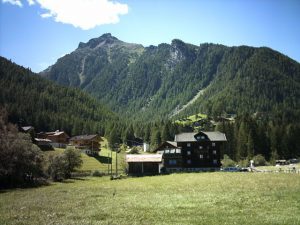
column 188, row 152
column 89, row 144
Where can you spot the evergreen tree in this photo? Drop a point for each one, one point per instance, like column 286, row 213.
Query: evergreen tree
column 155, row 138
column 166, row 133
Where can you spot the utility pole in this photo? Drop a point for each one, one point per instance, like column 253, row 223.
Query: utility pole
column 116, row 162
column 108, row 163
column 111, row 169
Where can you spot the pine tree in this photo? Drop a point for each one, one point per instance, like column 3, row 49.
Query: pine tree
column 166, row 133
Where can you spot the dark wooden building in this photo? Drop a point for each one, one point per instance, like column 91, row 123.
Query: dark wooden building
column 43, row 144
column 89, row 144
column 146, row 164
column 59, row 139
column 192, row 151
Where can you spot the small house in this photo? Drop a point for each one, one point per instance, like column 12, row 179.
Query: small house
column 59, row 139
column 89, row 144
column 146, row 164
column 43, row 144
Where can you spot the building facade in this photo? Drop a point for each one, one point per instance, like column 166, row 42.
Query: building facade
column 89, row 144
column 59, row 139
column 146, row 164
column 192, row 152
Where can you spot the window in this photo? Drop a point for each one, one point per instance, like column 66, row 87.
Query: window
column 202, row 137
column 172, row 162
column 178, row 151
column 215, row 161
column 189, row 161
column 214, row 152
column 200, row 147
column 172, row 151
column 188, row 152
column 188, row 144
column 167, row 151
column 201, row 156
column 213, row 144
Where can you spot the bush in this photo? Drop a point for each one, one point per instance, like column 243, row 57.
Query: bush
column 244, row 163
column 134, row 150
column 61, row 166
column 96, row 173
column 73, row 159
column 227, row 161
column 259, row 160
column 57, row 167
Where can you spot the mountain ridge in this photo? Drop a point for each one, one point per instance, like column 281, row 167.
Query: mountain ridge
column 32, row 100
column 151, row 82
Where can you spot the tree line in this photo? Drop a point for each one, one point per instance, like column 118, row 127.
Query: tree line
column 32, row 100
column 274, row 138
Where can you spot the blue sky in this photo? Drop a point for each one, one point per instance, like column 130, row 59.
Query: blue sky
column 35, row 33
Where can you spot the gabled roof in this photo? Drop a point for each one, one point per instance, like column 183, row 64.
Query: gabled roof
column 84, row 137
column 144, row 158
column 42, row 140
column 165, row 144
column 185, row 137
column 27, row 128
column 56, row 133
column 173, row 143
column 53, row 133
column 216, row 136
column 190, row 136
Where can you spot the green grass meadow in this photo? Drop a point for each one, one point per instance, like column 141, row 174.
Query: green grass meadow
column 191, row 119
column 101, row 163
column 188, row 198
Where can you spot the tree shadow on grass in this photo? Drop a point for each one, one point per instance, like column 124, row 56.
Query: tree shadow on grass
column 79, row 178
column 29, row 185
column 72, row 180
column 103, row 159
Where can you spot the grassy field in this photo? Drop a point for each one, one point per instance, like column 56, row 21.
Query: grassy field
column 193, row 198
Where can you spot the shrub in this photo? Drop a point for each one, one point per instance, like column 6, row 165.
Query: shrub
column 259, row 160
column 227, row 161
column 134, row 150
column 61, row 166
column 73, row 159
column 244, row 163
column 57, row 167
column 96, row 173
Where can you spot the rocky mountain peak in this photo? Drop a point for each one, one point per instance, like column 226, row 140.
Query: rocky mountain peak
column 107, row 39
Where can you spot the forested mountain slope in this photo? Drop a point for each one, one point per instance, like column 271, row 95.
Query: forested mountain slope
column 32, row 100
column 158, row 81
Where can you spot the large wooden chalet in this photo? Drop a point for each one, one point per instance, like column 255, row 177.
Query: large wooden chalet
column 90, row 144
column 188, row 152
column 192, row 151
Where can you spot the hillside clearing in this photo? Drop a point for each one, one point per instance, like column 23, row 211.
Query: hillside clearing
column 188, row 121
column 195, row 198
column 100, row 162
